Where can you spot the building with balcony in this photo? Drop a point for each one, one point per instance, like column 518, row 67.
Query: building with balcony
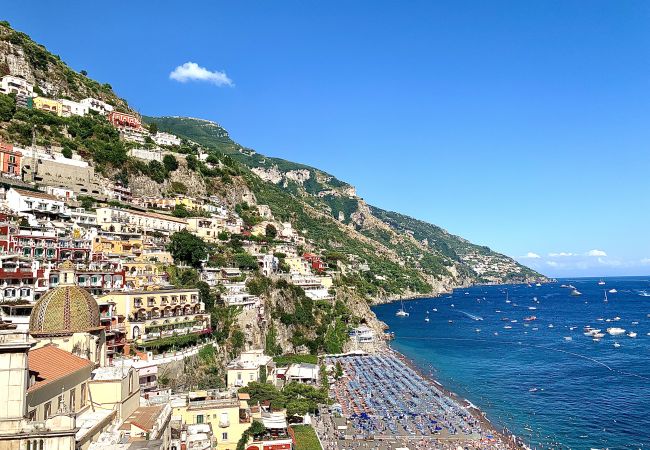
column 154, row 314
column 71, row 108
column 162, row 138
column 249, row 366
column 207, row 228
column 49, row 105
column 10, row 160
column 118, row 219
column 10, row 84
column 124, row 120
column 98, row 106
column 227, row 414
column 36, row 202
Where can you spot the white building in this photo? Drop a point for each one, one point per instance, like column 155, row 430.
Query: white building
column 118, row 218
column 10, row 84
column 99, row 106
column 162, row 138
column 147, row 155
column 19, row 200
column 71, row 108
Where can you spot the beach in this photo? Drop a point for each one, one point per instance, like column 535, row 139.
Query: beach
column 383, row 401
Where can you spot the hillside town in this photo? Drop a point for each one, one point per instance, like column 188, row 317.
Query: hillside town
column 143, row 322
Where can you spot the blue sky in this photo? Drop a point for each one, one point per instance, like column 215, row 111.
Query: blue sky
column 524, row 126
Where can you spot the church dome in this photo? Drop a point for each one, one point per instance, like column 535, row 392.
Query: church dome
column 64, row 309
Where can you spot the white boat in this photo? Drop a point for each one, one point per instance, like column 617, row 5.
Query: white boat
column 615, row 331
column 401, row 312
column 601, row 283
column 507, row 327
column 599, row 335
column 538, row 284
column 631, row 334
column 575, row 292
column 568, row 338
column 591, row 332
column 612, row 291
column 426, row 319
column 550, row 326
column 435, row 310
column 616, row 345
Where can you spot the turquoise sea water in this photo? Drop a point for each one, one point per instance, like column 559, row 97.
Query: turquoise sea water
column 546, row 382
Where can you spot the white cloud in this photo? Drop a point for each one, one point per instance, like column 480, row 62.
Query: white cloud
column 552, row 263
column 191, row 71
column 531, row 255
column 596, row 253
column 561, row 254
column 645, row 261
column 609, row 262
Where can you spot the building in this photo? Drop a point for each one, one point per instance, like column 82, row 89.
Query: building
column 36, row 202
column 71, row 108
column 10, row 160
column 251, row 365
column 162, row 138
column 49, row 105
column 117, row 219
column 208, row 228
column 54, row 169
column 147, row 155
column 153, row 314
column 10, row 84
column 98, row 106
column 124, row 120
column 276, row 435
column 227, row 414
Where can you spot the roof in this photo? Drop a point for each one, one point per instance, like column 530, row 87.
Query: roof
column 144, row 418
column 244, row 396
column 36, row 194
column 50, row 363
column 112, row 373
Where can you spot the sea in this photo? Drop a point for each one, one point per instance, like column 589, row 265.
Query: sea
column 542, row 379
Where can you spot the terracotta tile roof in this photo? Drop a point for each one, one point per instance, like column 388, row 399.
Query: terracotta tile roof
column 50, row 363
column 144, row 418
column 36, row 194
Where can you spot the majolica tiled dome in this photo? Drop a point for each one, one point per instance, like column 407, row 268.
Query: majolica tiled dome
column 65, row 309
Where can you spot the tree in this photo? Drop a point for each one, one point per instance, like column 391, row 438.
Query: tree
column 223, row 235
column 270, row 231
column 170, row 162
column 245, row 261
column 66, row 152
column 84, row 73
column 153, row 128
column 180, row 211
column 157, row 171
column 192, row 162
column 7, row 107
column 188, row 248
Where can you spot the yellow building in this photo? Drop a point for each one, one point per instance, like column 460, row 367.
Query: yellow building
column 115, row 388
column 153, row 314
column 207, row 228
column 228, row 415
column 298, row 265
column 115, row 246
column 48, row 104
column 139, row 274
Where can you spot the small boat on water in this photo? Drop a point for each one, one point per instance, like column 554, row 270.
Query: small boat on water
column 532, row 308
column 591, row 331
column 530, row 318
column 568, row 338
column 426, row 319
column 551, row 325
column 401, row 312
column 575, row 293
column 615, row 331
column 631, row 334
column 616, row 345
column 507, row 327
column 612, row 291
column 601, row 283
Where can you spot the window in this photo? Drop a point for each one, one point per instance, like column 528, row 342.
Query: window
column 83, row 394
column 199, row 418
column 73, row 396
column 224, row 436
column 60, row 403
column 47, row 410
